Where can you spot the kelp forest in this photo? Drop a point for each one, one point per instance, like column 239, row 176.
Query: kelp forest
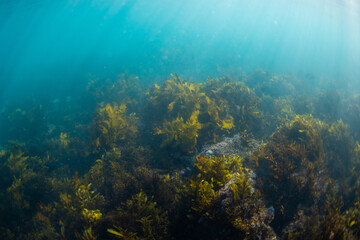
column 248, row 156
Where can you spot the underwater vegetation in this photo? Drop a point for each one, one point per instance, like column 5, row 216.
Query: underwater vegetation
column 257, row 156
column 190, row 115
column 112, row 126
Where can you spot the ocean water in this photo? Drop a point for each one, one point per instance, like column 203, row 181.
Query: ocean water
column 58, row 44
column 84, row 83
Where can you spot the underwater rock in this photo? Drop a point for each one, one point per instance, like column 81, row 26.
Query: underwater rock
column 235, row 146
column 270, row 214
column 51, row 128
column 257, row 224
column 248, row 212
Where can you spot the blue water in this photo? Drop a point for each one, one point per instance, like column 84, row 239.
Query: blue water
column 80, row 157
column 55, row 47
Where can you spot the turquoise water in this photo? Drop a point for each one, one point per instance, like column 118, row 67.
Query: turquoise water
column 47, row 45
column 179, row 119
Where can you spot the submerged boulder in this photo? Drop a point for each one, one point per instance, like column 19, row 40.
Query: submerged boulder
column 234, row 146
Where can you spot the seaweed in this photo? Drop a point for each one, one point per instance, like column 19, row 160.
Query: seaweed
column 112, row 126
column 179, row 135
column 133, row 171
column 291, row 168
column 64, row 140
column 237, row 105
column 79, row 208
column 140, row 218
column 328, row 105
column 125, row 89
column 190, row 115
column 222, row 201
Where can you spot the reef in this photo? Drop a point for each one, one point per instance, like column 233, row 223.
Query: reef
column 259, row 156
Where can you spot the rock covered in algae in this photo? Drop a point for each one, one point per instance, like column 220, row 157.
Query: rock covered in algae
column 235, row 146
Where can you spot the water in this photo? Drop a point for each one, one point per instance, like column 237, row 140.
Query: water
column 46, row 42
column 66, row 66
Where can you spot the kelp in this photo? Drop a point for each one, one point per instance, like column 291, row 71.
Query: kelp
column 179, row 135
column 123, row 162
column 237, row 101
column 25, row 124
column 328, row 105
column 174, row 96
column 140, row 218
column 189, row 115
column 81, row 206
column 222, row 197
column 291, row 168
column 125, row 89
column 113, row 126
column 64, row 140
column 323, row 221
